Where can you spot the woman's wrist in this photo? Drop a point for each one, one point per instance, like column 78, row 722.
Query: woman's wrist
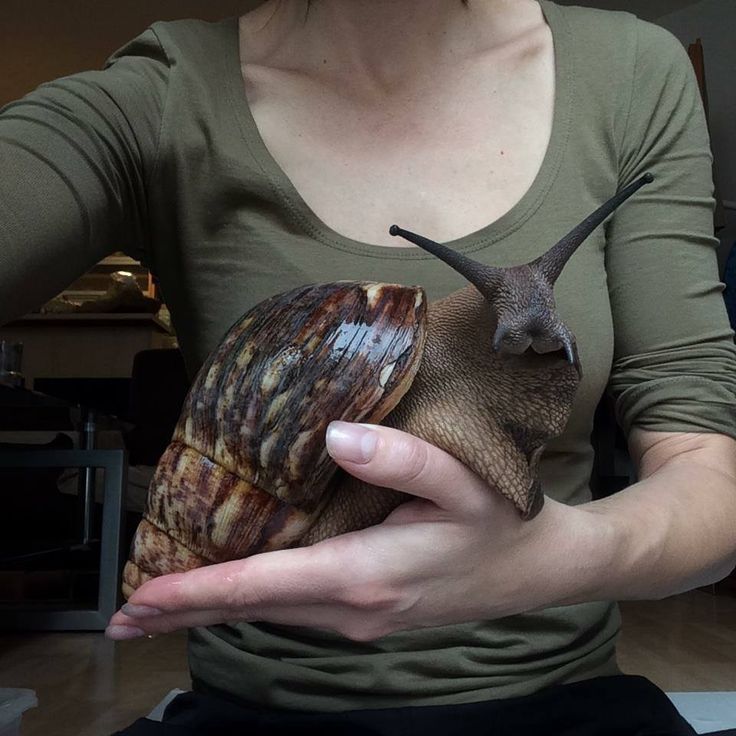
column 566, row 559
column 664, row 536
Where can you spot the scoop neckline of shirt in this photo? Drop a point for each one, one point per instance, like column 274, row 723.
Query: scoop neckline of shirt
column 303, row 215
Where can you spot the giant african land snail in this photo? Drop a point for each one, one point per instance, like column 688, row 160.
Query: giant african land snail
column 247, row 470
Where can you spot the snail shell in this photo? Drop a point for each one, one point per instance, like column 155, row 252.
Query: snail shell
column 247, row 470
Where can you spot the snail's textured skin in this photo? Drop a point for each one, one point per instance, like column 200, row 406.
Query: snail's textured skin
column 247, row 470
column 518, row 405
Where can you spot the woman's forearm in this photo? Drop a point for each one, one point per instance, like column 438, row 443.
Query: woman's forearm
column 675, row 529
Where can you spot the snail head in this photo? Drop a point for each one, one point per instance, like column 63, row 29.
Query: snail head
column 521, row 297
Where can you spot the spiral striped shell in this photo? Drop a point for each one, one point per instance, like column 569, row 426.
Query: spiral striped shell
column 247, row 469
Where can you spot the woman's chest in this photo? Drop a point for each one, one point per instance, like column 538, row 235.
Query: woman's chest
column 446, row 157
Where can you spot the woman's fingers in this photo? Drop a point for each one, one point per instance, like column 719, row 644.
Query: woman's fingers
column 324, row 586
column 346, row 621
column 390, row 458
column 294, row 577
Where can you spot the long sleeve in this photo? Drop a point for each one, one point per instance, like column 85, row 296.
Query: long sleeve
column 675, row 362
column 76, row 156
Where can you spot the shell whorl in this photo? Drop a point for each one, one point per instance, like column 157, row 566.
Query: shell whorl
column 261, row 404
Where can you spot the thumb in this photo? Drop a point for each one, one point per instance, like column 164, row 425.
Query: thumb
column 390, row 458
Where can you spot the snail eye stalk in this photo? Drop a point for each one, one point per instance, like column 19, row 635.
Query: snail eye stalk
column 485, row 278
column 488, row 278
column 550, row 265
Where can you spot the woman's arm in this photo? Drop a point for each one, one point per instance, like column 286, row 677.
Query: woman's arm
column 673, row 379
column 74, row 157
column 676, row 528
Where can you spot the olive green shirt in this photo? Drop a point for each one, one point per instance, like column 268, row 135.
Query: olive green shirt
column 159, row 155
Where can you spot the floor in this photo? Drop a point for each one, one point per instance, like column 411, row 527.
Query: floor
column 90, row 687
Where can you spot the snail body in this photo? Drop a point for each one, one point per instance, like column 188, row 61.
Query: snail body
column 488, row 374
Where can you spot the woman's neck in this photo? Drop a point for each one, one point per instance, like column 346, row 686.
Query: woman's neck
column 383, row 43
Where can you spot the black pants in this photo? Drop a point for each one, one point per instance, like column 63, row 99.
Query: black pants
column 619, row 706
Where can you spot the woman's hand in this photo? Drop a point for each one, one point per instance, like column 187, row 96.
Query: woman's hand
column 457, row 552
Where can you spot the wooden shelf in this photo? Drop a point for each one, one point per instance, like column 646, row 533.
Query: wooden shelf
column 93, row 318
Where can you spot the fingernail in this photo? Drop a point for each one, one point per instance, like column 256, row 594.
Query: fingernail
column 130, row 609
column 121, row 633
column 355, row 443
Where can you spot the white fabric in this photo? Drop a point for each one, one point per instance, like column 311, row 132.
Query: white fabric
column 158, row 712
column 707, row 712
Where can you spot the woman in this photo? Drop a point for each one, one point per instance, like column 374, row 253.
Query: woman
column 242, row 159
